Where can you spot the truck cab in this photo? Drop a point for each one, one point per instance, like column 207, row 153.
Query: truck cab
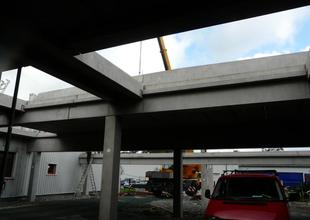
column 244, row 196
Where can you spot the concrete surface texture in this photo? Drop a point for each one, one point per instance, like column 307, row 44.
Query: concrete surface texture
column 200, row 105
column 281, row 158
column 213, row 75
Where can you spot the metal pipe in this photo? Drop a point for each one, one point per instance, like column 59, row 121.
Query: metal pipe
column 9, row 132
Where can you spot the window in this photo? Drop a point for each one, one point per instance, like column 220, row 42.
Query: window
column 248, row 188
column 10, row 163
column 51, row 170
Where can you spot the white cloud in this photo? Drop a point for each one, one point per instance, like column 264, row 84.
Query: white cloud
column 272, row 53
column 307, row 48
column 264, row 54
column 215, row 44
column 176, row 48
column 237, row 39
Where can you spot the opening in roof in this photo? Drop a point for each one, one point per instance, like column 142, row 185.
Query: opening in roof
column 268, row 35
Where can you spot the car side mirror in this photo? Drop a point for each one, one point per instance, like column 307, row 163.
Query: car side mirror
column 208, row 194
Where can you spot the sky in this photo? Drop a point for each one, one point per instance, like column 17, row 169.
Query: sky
column 274, row 34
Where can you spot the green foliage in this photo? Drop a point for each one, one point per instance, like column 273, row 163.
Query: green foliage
column 128, row 190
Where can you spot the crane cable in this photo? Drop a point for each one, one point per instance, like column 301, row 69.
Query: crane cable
column 140, row 59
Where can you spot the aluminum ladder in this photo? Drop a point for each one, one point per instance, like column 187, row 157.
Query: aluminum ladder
column 88, row 171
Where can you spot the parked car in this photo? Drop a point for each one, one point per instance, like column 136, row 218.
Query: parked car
column 241, row 196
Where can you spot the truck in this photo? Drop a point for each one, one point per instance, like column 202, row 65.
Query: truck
column 161, row 182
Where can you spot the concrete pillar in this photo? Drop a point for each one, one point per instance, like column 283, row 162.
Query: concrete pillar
column 178, row 183
column 209, row 175
column 110, row 169
column 34, row 176
column 204, row 186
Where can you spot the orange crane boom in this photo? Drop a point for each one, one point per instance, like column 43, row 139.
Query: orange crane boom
column 164, row 53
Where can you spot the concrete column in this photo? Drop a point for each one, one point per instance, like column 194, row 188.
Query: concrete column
column 209, row 175
column 204, row 186
column 34, row 176
column 178, row 183
column 110, row 169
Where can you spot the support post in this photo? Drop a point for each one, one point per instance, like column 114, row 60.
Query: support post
column 9, row 132
column 178, row 183
column 209, row 174
column 204, row 186
column 34, row 176
column 110, row 169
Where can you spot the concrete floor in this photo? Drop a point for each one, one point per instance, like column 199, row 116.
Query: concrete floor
column 130, row 207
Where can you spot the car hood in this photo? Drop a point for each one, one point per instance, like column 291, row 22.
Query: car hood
column 248, row 210
column 242, row 214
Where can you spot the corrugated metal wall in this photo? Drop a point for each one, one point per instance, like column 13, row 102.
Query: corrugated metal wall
column 18, row 185
column 68, row 173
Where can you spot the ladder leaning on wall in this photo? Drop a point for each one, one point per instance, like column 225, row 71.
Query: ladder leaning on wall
column 88, row 171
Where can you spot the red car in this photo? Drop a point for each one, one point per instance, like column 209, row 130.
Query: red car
column 247, row 196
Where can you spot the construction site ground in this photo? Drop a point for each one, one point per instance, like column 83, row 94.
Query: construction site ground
column 129, row 207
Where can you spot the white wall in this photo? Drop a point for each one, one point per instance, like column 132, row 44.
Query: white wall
column 68, row 173
column 17, row 186
column 129, row 171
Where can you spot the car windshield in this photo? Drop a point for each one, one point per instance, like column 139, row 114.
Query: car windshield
column 248, row 188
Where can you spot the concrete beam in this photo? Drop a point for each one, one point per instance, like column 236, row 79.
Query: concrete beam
column 114, row 75
column 308, row 65
column 110, row 169
column 81, row 142
column 90, row 71
column 200, row 136
column 274, row 79
column 285, row 158
column 209, row 76
column 6, row 100
column 279, row 91
column 224, row 74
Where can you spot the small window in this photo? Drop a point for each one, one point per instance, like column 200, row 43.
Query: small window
column 10, row 163
column 51, row 170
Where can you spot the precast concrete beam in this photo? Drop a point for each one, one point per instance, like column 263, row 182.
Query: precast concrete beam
column 265, row 80
column 308, row 65
column 6, row 100
column 278, row 91
column 90, row 71
column 285, row 158
column 80, row 142
column 121, row 81
column 224, row 74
